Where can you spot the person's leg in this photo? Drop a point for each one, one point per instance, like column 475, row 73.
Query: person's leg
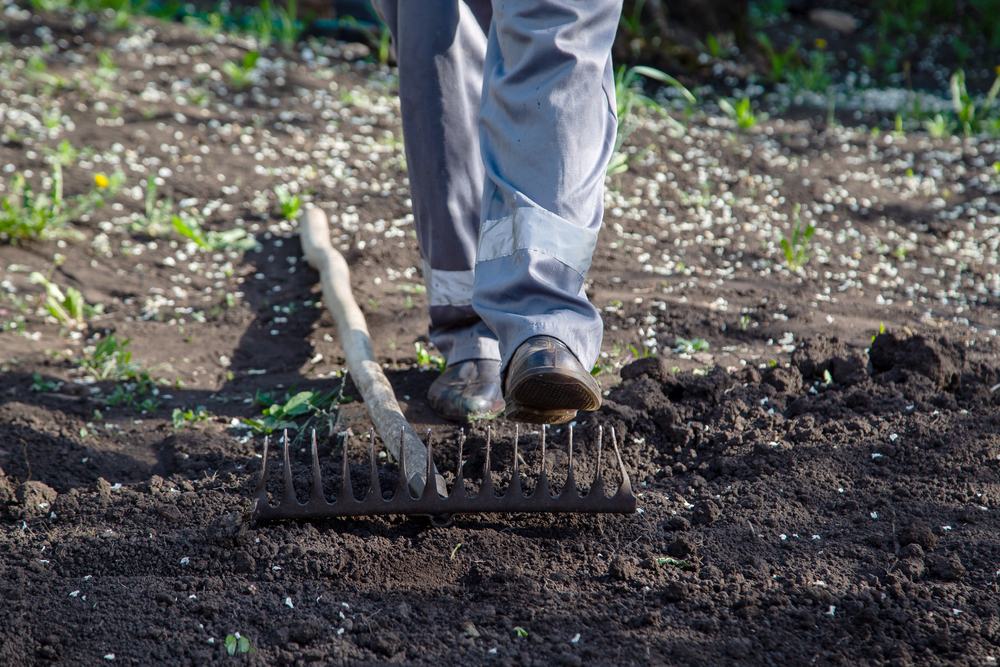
column 547, row 132
column 440, row 47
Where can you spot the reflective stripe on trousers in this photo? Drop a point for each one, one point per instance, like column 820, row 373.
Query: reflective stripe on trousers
column 509, row 123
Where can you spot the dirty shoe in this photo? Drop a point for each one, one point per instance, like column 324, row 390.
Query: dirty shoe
column 547, row 384
column 467, row 391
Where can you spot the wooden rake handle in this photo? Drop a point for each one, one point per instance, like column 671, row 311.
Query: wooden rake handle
column 366, row 372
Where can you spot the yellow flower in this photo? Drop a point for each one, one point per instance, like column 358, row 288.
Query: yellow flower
column 821, row 44
column 101, row 181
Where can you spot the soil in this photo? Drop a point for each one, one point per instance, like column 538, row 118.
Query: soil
column 810, row 490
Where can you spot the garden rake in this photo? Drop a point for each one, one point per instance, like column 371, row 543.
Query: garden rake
column 413, row 494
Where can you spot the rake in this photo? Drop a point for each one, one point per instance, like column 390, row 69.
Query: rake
column 433, row 503
column 412, row 494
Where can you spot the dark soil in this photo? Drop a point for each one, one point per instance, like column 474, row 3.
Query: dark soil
column 808, row 495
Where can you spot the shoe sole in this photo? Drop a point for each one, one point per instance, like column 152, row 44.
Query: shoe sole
column 551, row 396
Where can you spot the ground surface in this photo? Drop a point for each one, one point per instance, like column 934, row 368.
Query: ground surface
column 804, row 499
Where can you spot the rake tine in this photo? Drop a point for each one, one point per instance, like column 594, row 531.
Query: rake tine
column 429, row 489
column 542, row 486
column 374, row 486
column 486, row 488
column 458, row 488
column 597, row 486
column 570, row 476
column 289, row 486
column 403, row 486
column 317, row 475
column 625, row 488
column 515, row 480
column 346, row 488
column 262, row 482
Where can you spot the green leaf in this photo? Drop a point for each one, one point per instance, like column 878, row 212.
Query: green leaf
column 298, row 404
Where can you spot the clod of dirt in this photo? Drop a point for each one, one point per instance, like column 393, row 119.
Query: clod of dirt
column 919, row 534
column 470, row 630
column 677, row 523
column 35, row 498
column 815, row 357
column 675, row 591
column 705, row 512
column 623, row 568
column 691, row 387
column 682, row 547
column 917, row 354
column 785, row 380
column 8, row 494
column 656, row 368
column 946, row 568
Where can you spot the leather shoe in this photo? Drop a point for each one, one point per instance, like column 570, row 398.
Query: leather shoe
column 467, row 391
column 547, row 384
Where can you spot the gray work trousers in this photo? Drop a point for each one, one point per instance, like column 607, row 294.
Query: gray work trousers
column 509, row 121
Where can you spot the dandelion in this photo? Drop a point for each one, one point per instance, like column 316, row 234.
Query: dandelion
column 821, row 44
column 101, row 181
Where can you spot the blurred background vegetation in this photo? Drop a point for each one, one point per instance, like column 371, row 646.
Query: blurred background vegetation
column 812, row 51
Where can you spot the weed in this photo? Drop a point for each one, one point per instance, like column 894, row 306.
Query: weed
column 630, row 98
column 237, row 644
column 289, row 204
column 685, row 346
column 314, row 407
column 520, row 632
column 26, row 214
column 426, row 360
column 68, row 307
column 881, row 330
column 795, row 246
column 454, row 551
column 741, row 112
column 971, row 119
column 242, row 74
column 680, row 564
column 43, row 385
column 815, row 75
column 112, row 360
column 182, row 418
column 159, row 213
column 779, row 62
column 190, row 228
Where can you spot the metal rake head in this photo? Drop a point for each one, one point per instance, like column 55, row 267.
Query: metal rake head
column 430, row 501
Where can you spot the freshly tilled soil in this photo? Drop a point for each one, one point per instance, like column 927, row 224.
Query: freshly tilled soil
column 808, row 493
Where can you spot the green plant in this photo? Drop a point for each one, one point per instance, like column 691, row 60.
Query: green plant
column 685, row 346
column 182, row 418
column 795, row 246
column 426, row 360
column 289, row 204
column 971, row 118
column 289, row 27
column 235, row 238
column 814, row 75
column 779, row 61
column 520, row 632
column 68, row 307
column 43, row 385
column 26, row 214
column 237, row 644
column 630, row 98
column 312, row 407
column 741, row 112
column 679, row 563
column 158, row 213
column 112, row 360
column 241, row 74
